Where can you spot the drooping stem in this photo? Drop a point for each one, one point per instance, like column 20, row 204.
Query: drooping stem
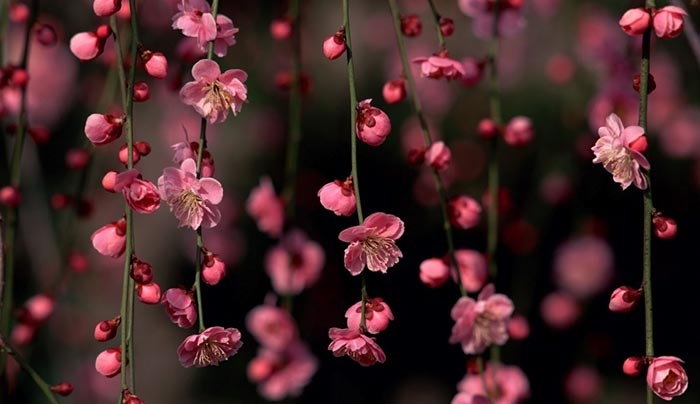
column 418, row 110
column 493, row 166
column 436, row 17
column 353, row 108
column 24, row 364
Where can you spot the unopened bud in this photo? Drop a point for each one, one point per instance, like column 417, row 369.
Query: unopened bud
column 633, row 366
column 62, row 389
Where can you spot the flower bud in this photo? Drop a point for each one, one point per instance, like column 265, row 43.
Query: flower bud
column 668, row 21
column 45, row 34
column 149, row 293
column 10, row 196
column 281, row 28
column 464, row 212
column 635, row 21
column 623, row 299
column 156, row 64
column 416, row 157
column 651, row 83
column 40, row 134
column 141, row 91
column 141, row 272
column 213, row 268
column 633, row 366
column 411, row 25
column 105, row 8
column 124, row 155
column 487, row 129
column 62, row 389
column 518, row 131
column 434, row 272
column 107, row 329
column 334, row 45
column 108, row 181
column 447, row 26
column 438, row 156
column 394, row 91
column 108, row 363
column 77, row 159
column 372, row 125
column 665, row 228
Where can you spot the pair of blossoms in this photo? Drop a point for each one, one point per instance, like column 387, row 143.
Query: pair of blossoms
column 666, row 21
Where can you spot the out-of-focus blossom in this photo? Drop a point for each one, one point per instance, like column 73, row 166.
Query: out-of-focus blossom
column 510, row 19
column 211, row 346
column 464, row 212
column 559, row 310
column 377, row 315
column 439, row 66
column 518, row 132
column 583, row 266
column 438, row 155
column 373, row 243
column 434, row 272
column 472, row 269
column 212, row 93
column 225, row 35
column 266, row 208
column 583, row 384
column 394, row 91
column 506, row 384
column 359, row 347
column 273, row 327
column 281, row 374
column 105, row 8
column 295, row 264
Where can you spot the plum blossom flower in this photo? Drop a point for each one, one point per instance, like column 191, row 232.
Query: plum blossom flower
column 194, row 19
column 184, row 150
column 339, row 197
column 211, row 346
column 583, row 266
column 192, row 200
column 434, row 272
column 506, row 384
column 372, row 125
column 225, row 35
column 213, row 93
column 440, row 65
column 103, row 128
column 666, row 377
column 266, row 208
column 377, row 315
column 142, row 196
column 472, row 269
column 282, row 373
column 668, row 21
column 615, row 149
column 180, row 307
column 359, row 347
column 483, row 322
column 272, row 327
column 373, row 243
column 110, row 239
column 510, row 16
column 295, row 264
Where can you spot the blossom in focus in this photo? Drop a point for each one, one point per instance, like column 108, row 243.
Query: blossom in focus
column 180, row 306
column 194, row 19
column 377, row 315
column 635, row 21
column 110, row 239
column 359, row 347
column 103, row 128
column 211, row 346
column 142, row 196
column 295, row 263
column 615, row 149
column 339, row 197
column 373, row 243
column 668, row 21
column 439, row 66
column 192, row 200
column 666, row 377
column 266, row 208
column 372, row 125
column 225, row 35
column 483, row 322
column 213, row 93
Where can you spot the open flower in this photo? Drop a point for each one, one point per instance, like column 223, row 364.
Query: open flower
column 211, row 346
column 295, row 263
column 213, row 93
column 142, row 196
column 373, row 243
column 194, row 19
column 616, row 150
column 180, row 306
column 666, row 377
column 359, row 347
column 282, row 373
column 193, row 201
column 439, row 66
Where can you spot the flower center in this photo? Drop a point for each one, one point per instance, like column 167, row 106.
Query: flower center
column 218, row 96
column 209, row 353
column 187, row 205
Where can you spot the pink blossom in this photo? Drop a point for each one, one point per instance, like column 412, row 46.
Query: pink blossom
column 377, row 315
column 213, row 93
column 225, row 35
column 280, row 374
column 438, row 155
column 583, row 384
column 213, row 268
column 272, row 327
column 518, row 327
column 666, row 377
column 142, row 196
column 266, row 208
column 105, row 8
column 518, row 132
column 394, row 91
column 195, row 20
column 38, row 308
column 472, row 269
column 464, row 212
column 155, row 64
column 483, row 322
column 624, row 298
column 180, row 307
column 89, row 45
column 359, row 347
column 434, row 272
column 633, row 366
column 211, row 346
column 473, row 72
column 635, row 21
column 103, row 128
column 334, row 45
column 373, row 243
column 110, row 239
column 193, row 201
column 559, row 310
column 583, row 266
column 107, row 329
column 339, row 197
column 665, row 228
column 614, row 150
column 295, row 263
column 668, row 21
column 506, row 384
column 439, row 66
column 148, row 293
column 184, row 150
column 108, row 362
column 372, row 125
column 510, row 19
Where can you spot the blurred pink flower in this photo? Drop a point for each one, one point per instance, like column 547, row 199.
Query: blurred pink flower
column 373, row 243
column 467, row 398
column 583, row 384
column 295, row 263
column 193, row 201
column 110, row 239
column 195, row 20
column 583, row 266
column 615, row 150
column 434, row 272
column 483, row 322
column 225, row 35
column 440, row 65
column 180, row 307
column 142, row 196
column 359, row 347
column 510, row 19
column 472, row 269
column 438, row 156
column 211, row 346
column 377, row 315
column 281, row 374
column 273, row 327
column 559, row 310
column 185, row 150
column 213, row 93
column 508, row 384
column 464, row 212
column 339, row 197
column 518, row 132
column 266, row 208
column 666, row 377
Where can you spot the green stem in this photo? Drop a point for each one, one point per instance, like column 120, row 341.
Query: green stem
column 436, row 18
column 15, row 177
column 493, row 166
column 43, row 386
column 418, row 110
column 353, row 108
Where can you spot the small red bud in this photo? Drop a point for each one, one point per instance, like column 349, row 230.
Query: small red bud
column 107, row 329
column 40, row 134
column 77, row 262
column 109, row 180
column 141, row 272
column 19, row 77
column 665, row 228
column 281, row 28
column 487, row 129
column 60, row 201
column 142, row 148
column 141, row 91
column 640, row 144
column 411, row 25
column 10, row 196
column 103, row 31
column 633, row 366
column 334, row 45
column 124, row 153
column 45, row 34
column 62, row 389
column 447, row 26
column 416, row 157
column 651, row 84
column 77, row 159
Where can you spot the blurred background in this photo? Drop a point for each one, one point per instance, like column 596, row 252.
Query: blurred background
column 569, row 235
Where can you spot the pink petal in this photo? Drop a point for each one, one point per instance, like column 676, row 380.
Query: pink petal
column 614, row 122
column 207, row 70
column 213, row 190
column 388, row 226
column 354, row 258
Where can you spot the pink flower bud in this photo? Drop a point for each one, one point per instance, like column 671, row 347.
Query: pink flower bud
column 124, row 155
column 372, row 125
column 635, row 21
column 213, row 268
column 19, row 12
column 665, row 228
column 334, row 45
column 39, row 308
column 107, row 329
column 668, row 22
column 633, row 366
column 623, row 299
column 438, row 155
column 464, row 212
column 180, row 307
column 416, row 156
column 143, row 148
column 434, row 272
column 130, row 398
column 108, row 363
column 103, row 32
column 518, row 327
column 60, row 201
column 102, row 129
column 640, row 144
column 377, row 315
column 22, row 334
column 666, row 377
column 149, row 293
column 77, row 159
column 19, row 77
column 141, row 91
column 108, row 181
column 142, row 196
column 45, row 34
column 105, row 8
column 487, row 129
column 411, row 25
column 156, row 64
column 281, row 28
column 62, row 389
column 89, row 45
column 141, row 272
column 637, row 81
column 394, row 91
column 10, row 196
column 110, row 239
column 518, row 132
column 339, row 197
column 447, row 26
